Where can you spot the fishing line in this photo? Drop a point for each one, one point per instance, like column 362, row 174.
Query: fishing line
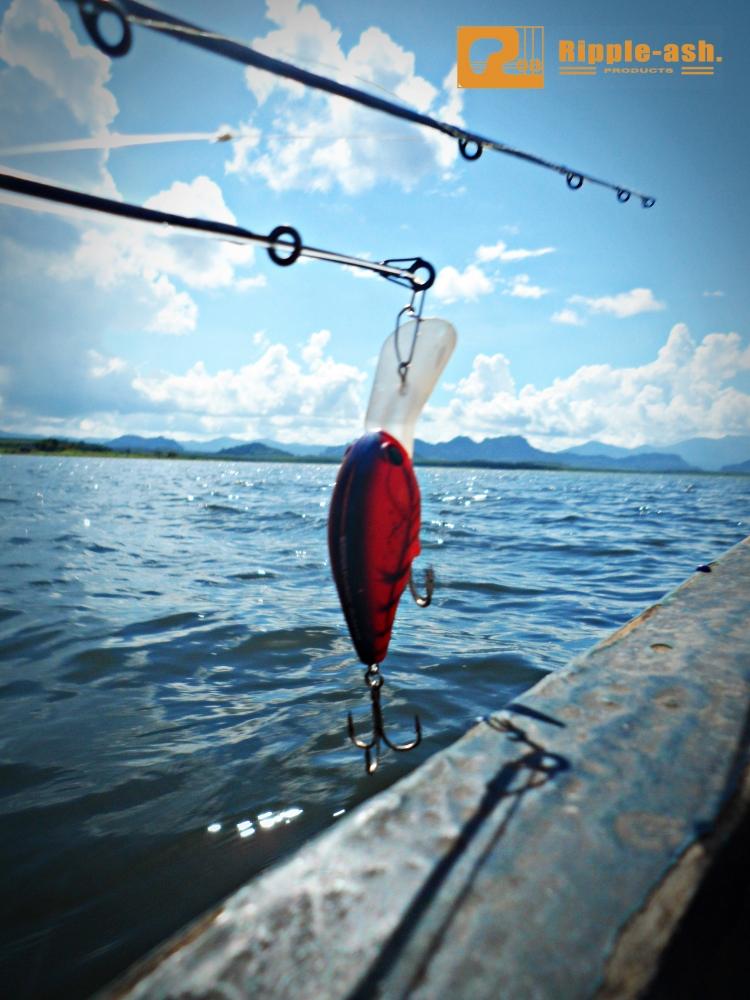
column 283, row 244
column 113, row 140
column 470, row 144
column 117, row 140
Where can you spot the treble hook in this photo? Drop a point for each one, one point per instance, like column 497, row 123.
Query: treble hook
column 429, row 587
column 374, row 680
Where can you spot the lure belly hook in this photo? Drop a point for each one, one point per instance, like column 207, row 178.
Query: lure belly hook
column 374, row 518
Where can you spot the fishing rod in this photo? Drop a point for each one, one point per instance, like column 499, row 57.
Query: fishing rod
column 470, row 144
column 283, row 244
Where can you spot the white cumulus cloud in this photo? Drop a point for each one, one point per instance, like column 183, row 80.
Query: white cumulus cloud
column 321, row 141
column 686, row 390
column 52, row 83
column 520, row 287
column 501, row 251
column 274, row 391
column 254, row 281
column 467, row 285
column 37, row 35
column 489, row 378
column 637, row 300
column 101, row 366
column 178, row 313
column 114, row 253
column 567, row 316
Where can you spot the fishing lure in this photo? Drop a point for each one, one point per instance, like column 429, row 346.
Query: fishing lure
column 373, row 538
column 374, row 517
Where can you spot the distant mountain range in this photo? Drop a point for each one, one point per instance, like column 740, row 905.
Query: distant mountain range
column 712, row 454
column 134, row 442
column 517, row 450
column 743, row 467
column 255, row 450
column 727, row 454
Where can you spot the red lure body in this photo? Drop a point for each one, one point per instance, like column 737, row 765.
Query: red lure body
column 373, row 537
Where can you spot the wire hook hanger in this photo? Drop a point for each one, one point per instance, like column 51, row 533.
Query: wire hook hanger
column 404, row 363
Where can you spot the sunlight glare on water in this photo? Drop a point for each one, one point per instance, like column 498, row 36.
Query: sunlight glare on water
column 176, row 673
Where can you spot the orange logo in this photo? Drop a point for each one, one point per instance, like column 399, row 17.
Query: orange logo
column 500, row 56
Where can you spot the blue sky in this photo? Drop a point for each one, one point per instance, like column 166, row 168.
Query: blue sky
column 577, row 317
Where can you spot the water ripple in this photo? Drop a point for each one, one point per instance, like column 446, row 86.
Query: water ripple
column 173, row 658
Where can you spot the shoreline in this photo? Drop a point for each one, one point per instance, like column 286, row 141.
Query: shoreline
column 61, row 449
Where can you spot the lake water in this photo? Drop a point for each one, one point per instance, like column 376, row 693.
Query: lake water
column 173, row 659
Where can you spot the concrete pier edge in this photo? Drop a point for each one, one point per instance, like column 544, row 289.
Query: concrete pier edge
column 551, row 852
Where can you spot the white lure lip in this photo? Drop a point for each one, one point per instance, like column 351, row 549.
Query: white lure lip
column 396, row 402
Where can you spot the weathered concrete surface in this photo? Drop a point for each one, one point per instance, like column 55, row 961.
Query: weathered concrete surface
column 549, row 853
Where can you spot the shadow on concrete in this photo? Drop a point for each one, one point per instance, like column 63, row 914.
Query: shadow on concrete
column 516, row 778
